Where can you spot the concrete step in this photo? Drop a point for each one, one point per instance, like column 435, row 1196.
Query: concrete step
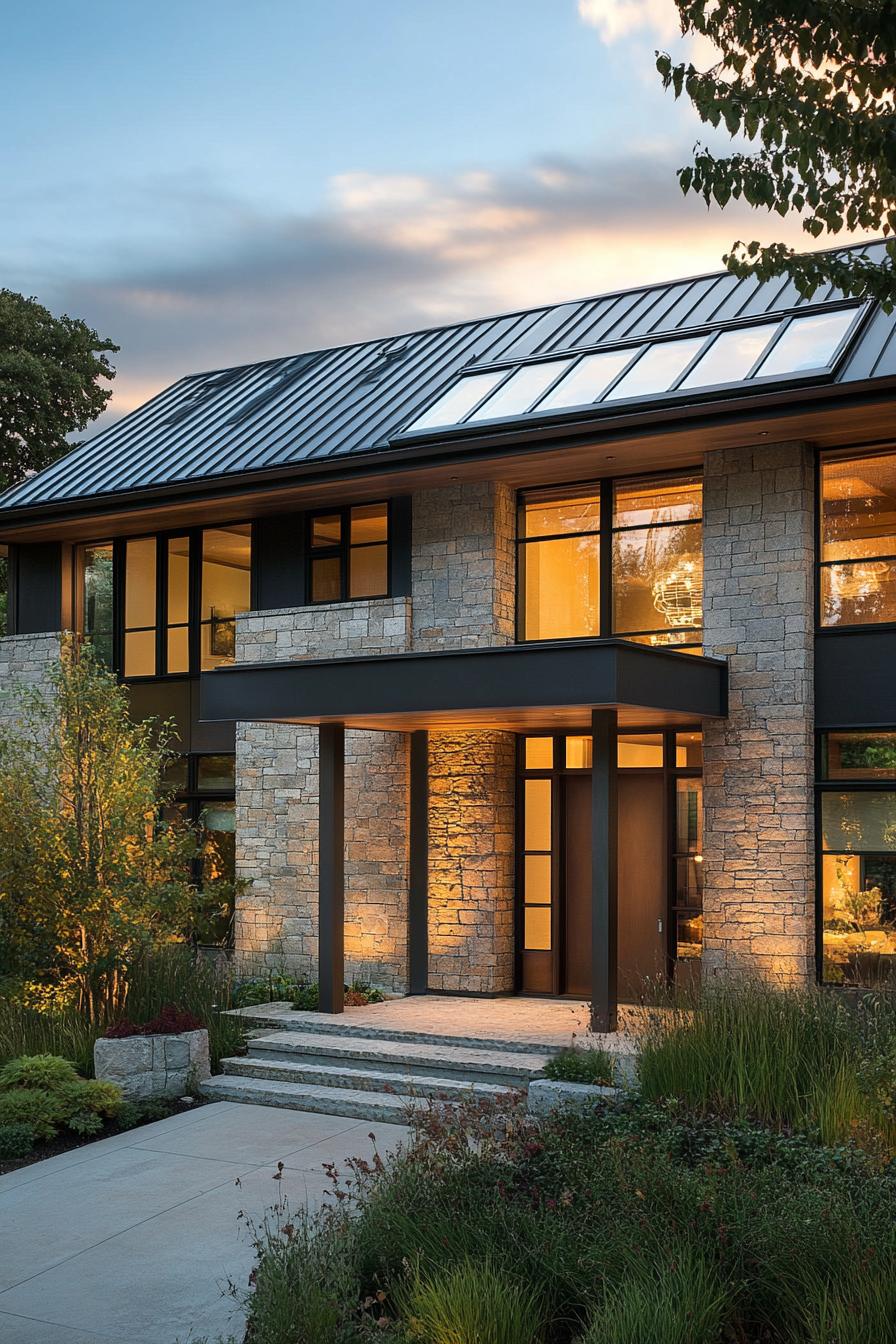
column 327, row 1077
column 360, row 1105
column 281, row 1017
column 513, row 1069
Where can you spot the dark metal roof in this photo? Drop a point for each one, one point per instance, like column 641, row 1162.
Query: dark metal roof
column 327, row 405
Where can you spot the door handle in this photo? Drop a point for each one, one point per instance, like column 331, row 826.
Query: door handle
column 659, row 926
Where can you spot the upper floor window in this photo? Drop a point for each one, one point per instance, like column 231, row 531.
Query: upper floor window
column 94, row 594
column 658, row 561
column 173, row 610
column 559, row 564
column 349, row 553
column 648, row 547
column 858, row 540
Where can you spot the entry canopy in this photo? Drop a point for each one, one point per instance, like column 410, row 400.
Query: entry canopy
column 800, row 345
column 513, row 687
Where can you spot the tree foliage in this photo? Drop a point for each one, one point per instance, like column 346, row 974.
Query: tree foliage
column 90, row 875
column 51, row 383
column 810, row 88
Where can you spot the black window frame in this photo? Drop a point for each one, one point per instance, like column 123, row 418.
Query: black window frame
column 605, row 488
column 193, row 801
column 823, row 785
column 859, row 454
column 342, row 551
column 194, row 536
column 670, row 772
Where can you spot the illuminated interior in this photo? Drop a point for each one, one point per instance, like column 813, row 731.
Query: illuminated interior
column 858, row 540
column 656, row 564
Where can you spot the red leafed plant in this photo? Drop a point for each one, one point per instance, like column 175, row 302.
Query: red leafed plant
column 170, row 1022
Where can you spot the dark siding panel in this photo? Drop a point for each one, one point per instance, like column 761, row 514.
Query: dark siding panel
column 38, row 589
column 278, row 562
column 854, row 684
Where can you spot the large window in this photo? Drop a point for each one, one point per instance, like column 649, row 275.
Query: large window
column 349, row 553
column 858, row 540
column 94, row 597
column 205, row 797
column 857, row 829
column 559, row 569
column 173, row 608
column 651, row 547
column 658, row 561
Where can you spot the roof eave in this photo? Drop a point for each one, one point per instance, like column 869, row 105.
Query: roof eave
column 461, row 444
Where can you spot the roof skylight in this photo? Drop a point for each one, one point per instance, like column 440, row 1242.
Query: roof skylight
column 808, row 343
column 787, row 346
column 517, row 394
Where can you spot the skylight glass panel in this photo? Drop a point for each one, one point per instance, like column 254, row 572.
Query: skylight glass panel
column 459, row 400
column 731, row 356
column 588, row 380
column 522, row 388
column 657, row 369
column 808, row 343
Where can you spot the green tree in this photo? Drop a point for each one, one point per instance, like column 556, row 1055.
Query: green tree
column 810, row 88
column 51, row 372
column 91, row 876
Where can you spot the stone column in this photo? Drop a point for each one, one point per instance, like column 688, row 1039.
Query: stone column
column 759, row 837
column 471, row 862
column 464, row 597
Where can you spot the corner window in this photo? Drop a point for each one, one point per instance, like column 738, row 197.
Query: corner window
column 857, row 836
column 165, row 605
column 94, row 589
column 225, row 589
column 858, row 540
column 349, row 553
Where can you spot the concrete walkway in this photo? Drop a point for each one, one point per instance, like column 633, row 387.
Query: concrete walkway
column 133, row 1239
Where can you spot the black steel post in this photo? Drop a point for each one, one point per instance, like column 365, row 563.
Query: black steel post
column 604, row 833
column 418, row 897
column 331, row 868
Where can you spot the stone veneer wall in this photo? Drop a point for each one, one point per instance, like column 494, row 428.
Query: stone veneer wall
column 277, row 807
column 25, row 660
column 759, row 840
column 463, row 566
column 463, row 582
column 462, row 569
column 471, row 864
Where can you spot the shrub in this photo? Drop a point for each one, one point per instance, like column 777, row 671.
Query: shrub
column 577, row 1065
column 306, row 997
column 469, row 1303
column 25, row 1030
column 171, row 1021
column 787, row 1058
column 46, row 1094
column 631, row 1223
column 16, row 1140
column 200, row 985
column 272, row 988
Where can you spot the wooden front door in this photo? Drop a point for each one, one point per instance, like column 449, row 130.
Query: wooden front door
column 643, row 899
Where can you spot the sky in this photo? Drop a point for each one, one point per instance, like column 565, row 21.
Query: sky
column 211, row 182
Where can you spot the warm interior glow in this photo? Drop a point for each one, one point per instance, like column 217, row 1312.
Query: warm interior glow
column 858, row 536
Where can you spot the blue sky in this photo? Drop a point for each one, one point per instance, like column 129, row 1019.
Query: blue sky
column 210, row 182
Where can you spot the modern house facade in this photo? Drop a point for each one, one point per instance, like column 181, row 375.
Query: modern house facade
column 544, row 654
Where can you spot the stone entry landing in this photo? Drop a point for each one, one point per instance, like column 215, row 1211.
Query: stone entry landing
column 378, row 1062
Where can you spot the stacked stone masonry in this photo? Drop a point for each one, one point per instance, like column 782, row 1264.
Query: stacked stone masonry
column 759, row 552
column 462, row 596
column 25, row 660
column 471, row 866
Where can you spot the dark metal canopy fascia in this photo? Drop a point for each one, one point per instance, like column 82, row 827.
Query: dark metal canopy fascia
column 518, row 677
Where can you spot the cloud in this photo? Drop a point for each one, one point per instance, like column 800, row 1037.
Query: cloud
column 615, row 19
column 389, row 253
